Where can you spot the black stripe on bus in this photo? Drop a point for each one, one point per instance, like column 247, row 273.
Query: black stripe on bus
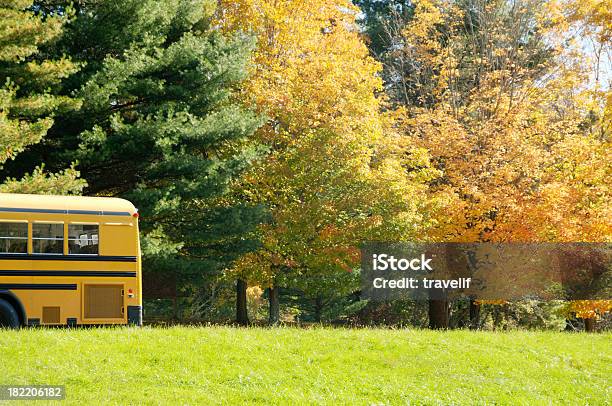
column 60, row 211
column 50, row 257
column 107, row 274
column 38, row 286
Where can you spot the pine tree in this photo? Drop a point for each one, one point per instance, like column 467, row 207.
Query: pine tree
column 29, row 81
column 383, row 22
column 158, row 125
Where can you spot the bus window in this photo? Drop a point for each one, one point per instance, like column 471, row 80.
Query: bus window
column 83, row 239
column 48, row 238
column 14, row 238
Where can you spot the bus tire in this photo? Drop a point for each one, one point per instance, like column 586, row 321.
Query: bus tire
column 8, row 315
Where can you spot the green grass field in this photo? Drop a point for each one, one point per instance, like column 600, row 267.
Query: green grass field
column 183, row 365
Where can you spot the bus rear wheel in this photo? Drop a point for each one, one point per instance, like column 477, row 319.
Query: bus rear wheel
column 8, row 316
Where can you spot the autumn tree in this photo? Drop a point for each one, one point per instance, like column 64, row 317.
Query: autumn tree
column 332, row 179
column 587, row 23
column 498, row 105
column 28, row 95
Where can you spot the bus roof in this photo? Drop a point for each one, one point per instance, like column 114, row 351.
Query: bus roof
column 66, row 204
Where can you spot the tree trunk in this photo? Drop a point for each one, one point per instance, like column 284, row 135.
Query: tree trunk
column 589, row 325
column 318, row 309
column 497, row 317
column 438, row 314
column 242, row 317
column 474, row 315
column 274, row 318
column 439, row 306
column 175, row 311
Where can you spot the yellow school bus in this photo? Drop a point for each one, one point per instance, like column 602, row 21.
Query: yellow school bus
column 69, row 260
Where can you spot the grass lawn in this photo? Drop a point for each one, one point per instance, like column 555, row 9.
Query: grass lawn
column 191, row 365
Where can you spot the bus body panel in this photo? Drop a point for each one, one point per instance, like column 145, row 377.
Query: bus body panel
column 56, row 289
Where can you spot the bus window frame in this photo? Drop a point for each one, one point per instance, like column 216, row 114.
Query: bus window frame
column 80, row 223
column 27, row 237
column 31, row 237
